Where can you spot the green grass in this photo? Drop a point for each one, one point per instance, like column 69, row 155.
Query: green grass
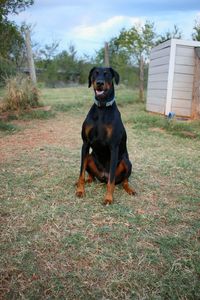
column 57, row 246
column 36, row 114
column 7, row 127
column 143, row 120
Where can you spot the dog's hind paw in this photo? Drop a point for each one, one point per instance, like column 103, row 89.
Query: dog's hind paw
column 128, row 189
column 131, row 191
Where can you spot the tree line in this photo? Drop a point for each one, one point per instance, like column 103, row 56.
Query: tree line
column 128, row 52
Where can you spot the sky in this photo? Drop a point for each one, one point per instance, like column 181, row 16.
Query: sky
column 88, row 24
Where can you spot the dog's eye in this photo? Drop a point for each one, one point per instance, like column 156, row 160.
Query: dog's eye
column 97, row 72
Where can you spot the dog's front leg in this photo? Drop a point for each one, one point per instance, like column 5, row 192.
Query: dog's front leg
column 80, row 191
column 111, row 179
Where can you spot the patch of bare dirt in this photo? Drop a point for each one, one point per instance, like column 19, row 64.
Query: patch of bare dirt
column 4, row 115
column 157, row 129
column 63, row 130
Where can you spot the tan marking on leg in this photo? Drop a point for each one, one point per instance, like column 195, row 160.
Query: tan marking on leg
column 80, row 191
column 127, row 187
column 109, row 194
column 122, row 167
column 92, row 166
column 90, row 178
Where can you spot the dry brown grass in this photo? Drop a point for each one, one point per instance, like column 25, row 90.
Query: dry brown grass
column 20, row 94
column 57, row 246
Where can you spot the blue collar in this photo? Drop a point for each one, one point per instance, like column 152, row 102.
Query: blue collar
column 98, row 103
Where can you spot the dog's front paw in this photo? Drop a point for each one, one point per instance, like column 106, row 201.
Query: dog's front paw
column 90, row 179
column 80, row 192
column 108, row 199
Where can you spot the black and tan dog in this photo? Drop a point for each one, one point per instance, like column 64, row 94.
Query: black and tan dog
column 104, row 132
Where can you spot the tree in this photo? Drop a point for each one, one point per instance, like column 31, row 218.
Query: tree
column 61, row 68
column 12, row 49
column 137, row 43
column 196, row 33
column 168, row 35
column 49, row 51
column 13, row 7
column 119, row 59
column 11, row 38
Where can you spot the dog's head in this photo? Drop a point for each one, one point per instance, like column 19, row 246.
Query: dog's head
column 102, row 81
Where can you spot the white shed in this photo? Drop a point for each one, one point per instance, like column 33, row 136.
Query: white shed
column 172, row 78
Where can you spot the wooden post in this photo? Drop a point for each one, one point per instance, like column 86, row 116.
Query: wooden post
column 106, row 55
column 196, row 86
column 141, row 91
column 30, row 56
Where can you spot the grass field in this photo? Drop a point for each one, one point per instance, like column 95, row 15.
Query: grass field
column 57, row 246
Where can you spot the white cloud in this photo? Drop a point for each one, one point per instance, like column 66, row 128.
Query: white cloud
column 88, row 24
column 106, row 29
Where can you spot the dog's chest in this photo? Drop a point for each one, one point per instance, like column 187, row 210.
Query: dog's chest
column 98, row 133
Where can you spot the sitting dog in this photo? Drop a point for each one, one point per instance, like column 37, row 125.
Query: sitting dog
column 104, row 132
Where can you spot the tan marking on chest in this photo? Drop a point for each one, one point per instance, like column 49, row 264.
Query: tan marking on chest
column 88, row 128
column 109, row 130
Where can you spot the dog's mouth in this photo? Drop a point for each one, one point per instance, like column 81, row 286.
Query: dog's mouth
column 102, row 90
column 99, row 92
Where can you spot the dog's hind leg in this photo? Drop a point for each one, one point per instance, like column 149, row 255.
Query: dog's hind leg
column 122, row 173
column 92, row 170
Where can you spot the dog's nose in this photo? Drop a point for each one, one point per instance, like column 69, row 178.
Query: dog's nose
column 100, row 82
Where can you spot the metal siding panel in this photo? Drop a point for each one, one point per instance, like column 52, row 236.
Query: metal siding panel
column 158, row 77
column 184, row 51
column 161, row 53
column 182, row 111
column 156, row 100
column 158, row 69
column 155, row 108
column 157, row 93
column 177, row 103
column 187, row 78
column 184, row 69
column 162, row 85
column 159, row 61
column 184, row 86
column 162, row 46
column 185, row 60
column 179, row 94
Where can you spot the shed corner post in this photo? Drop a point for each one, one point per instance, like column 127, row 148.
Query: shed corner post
column 170, row 77
column 196, row 86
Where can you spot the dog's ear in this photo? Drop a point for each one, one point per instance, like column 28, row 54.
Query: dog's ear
column 90, row 77
column 115, row 75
